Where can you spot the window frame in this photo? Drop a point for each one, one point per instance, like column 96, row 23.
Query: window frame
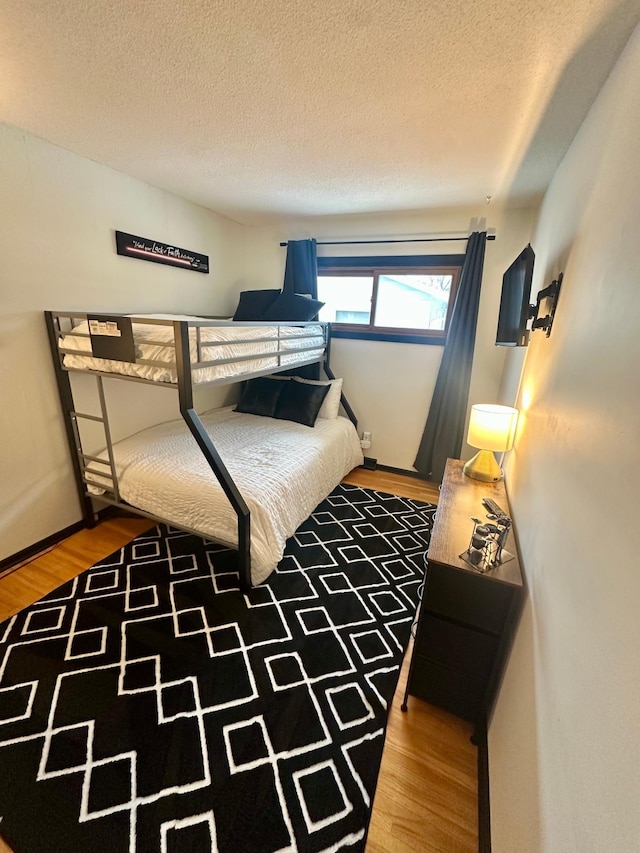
column 376, row 265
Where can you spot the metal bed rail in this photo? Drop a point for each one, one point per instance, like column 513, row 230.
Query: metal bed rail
column 317, row 333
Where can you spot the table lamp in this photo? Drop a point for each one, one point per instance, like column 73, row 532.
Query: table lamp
column 492, row 429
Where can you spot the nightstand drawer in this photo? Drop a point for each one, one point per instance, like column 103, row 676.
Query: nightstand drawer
column 467, row 597
column 460, row 693
column 454, row 645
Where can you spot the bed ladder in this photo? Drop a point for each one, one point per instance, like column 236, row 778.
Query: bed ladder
column 71, row 424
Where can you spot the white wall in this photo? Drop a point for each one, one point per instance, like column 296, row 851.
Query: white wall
column 565, row 737
column 57, row 251
column 390, row 385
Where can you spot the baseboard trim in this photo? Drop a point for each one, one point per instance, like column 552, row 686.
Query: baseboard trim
column 484, row 813
column 405, row 473
column 10, row 564
column 15, row 561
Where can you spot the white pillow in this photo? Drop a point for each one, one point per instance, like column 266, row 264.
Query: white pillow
column 331, row 403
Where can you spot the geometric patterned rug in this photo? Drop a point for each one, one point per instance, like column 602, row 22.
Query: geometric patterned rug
column 148, row 705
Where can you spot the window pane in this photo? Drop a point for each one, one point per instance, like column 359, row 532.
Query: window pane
column 413, row 301
column 347, row 298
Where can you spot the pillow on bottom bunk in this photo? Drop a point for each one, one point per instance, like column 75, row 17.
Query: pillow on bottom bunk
column 300, row 403
column 285, row 400
column 260, row 397
column 331, row 404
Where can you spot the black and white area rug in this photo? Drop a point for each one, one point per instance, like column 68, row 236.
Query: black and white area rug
column 148, row 705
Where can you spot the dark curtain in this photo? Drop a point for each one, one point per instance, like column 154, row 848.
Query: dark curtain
column 301, row 276
column 444, row 430
column 301, row 269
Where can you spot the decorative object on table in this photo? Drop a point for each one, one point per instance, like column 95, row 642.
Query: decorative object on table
column 486, row 547
column 149, row 705
column 492, row 428
column 147, row 249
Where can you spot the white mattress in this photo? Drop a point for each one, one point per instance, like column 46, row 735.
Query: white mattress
column 282, row 469
column 232, row 348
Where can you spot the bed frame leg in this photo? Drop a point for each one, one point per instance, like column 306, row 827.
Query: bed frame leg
column 185, row 394
column 230, row 489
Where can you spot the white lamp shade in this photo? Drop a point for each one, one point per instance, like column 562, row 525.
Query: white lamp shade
column 492, row 427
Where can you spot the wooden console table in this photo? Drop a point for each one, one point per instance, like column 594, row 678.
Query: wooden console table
column 467, row 619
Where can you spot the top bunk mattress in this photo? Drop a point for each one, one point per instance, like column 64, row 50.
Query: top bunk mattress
column 232, row 344
column 282, row 469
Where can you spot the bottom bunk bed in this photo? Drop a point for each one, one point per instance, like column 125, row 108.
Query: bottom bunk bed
column 282, row 469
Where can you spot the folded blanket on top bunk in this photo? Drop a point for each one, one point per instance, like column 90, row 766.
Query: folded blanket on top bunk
column 235, row 341
column 282, row 469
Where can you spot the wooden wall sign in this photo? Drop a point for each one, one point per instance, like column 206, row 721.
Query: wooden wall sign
column 160, row 253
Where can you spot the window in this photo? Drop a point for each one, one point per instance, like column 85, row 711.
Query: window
column 389, row 298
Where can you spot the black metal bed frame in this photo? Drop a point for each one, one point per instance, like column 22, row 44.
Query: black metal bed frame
column 184, row 385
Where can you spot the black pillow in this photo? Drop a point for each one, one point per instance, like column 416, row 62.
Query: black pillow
column 253, row 304
column 260, row 397
column 300, row 403
column 291, row 307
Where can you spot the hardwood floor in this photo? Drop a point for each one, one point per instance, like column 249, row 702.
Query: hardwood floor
column 426, row 797
column 396, row 484
column 64, row 561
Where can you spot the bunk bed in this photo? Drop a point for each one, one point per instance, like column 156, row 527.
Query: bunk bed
column 248, row 481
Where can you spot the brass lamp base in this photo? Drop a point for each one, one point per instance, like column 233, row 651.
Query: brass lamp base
column 483, row 467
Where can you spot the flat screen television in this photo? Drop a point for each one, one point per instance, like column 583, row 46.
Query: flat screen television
column 514, row 301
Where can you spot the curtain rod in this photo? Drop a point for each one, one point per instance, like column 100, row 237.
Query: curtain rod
column 419, row 240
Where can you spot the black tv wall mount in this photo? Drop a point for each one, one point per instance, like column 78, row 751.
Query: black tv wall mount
column 551, row 292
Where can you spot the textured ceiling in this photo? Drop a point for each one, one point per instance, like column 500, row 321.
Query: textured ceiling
column 313, row 107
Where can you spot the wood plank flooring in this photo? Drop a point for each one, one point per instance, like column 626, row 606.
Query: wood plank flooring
column 427, row 794
column 426, row 798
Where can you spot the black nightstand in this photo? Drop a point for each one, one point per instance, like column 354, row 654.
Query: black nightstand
column 467, row 619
